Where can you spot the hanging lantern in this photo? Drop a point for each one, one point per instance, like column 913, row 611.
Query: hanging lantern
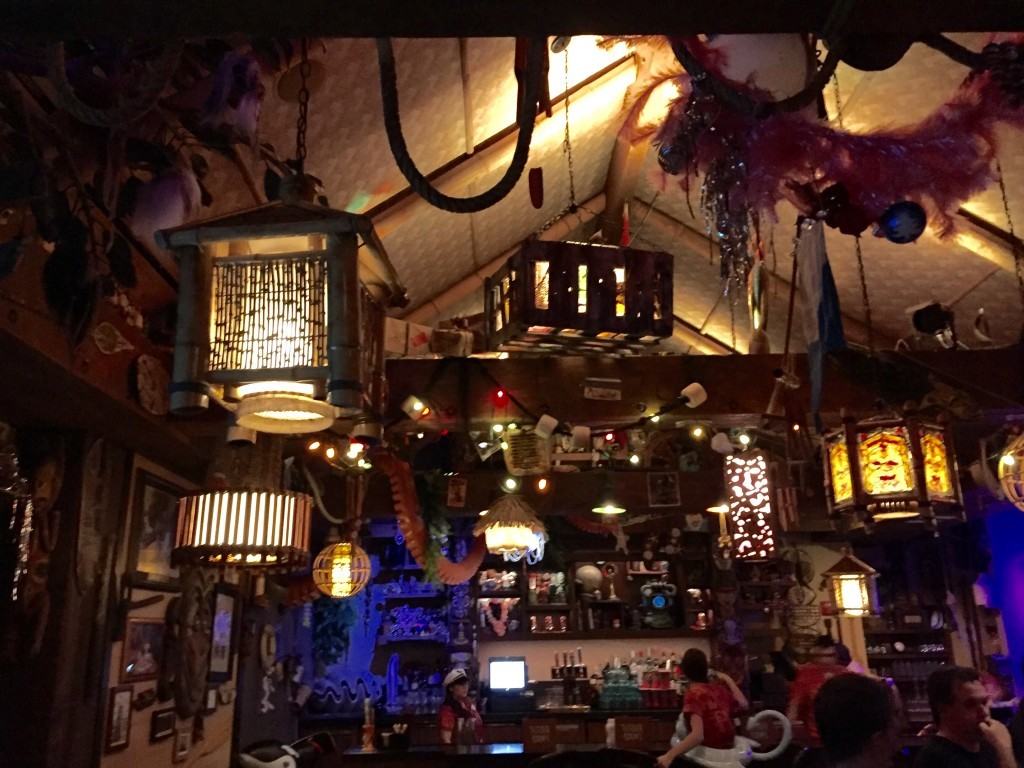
column 243, row 528
column 1011, row 471
column 751, row 521
column 607, row 504
column 342, row 569
column 272, row 317
column 510, row 526
column 852, row 584
column 890, row 469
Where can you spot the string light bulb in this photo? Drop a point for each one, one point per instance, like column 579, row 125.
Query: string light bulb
column 509, row 484
column 655, row 419
column 330, row 453
column 697, row 432
column 1007, row 460
column 744, row 439
column 543, row 485
column 314, row 445
column 497, row 428
column 634, row 459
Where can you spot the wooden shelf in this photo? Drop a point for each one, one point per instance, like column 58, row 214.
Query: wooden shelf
column 909, row 656
column 898, row 632
column 501, row 593
column 603, row 634
column 550, row 608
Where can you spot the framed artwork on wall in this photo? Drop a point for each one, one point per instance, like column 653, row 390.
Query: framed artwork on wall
column 223, row 633
column 663, row 489
column 119, row 718
column 161, row 724
column 142, row 651
column 154, row 516
column 182, row 743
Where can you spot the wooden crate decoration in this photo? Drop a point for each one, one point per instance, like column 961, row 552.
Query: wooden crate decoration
column 579, row 298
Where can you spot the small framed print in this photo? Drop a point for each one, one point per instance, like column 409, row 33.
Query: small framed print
column 222, row 639
column 142, row 650
column 457, row 487
column 182, row 743
column 663, row 489
column 119, row 718
column 154, row 518
column 161, row 724
column 210, row 706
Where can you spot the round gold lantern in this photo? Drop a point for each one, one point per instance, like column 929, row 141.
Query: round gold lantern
column 1011, row 471
column 341, row 569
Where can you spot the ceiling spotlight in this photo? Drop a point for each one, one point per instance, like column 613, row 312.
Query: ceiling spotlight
column 697, row 432
column 634, row 459
column 509, row 484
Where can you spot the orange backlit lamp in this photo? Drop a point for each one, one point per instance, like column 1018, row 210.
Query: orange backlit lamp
column 892, row 469
column 852, row 586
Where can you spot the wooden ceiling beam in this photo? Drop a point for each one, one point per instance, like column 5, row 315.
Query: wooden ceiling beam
column 64, row 19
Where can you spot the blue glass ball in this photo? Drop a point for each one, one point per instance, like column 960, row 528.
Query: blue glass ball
column 903, row 222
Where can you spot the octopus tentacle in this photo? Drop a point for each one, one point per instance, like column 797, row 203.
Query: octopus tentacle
column 410, row 523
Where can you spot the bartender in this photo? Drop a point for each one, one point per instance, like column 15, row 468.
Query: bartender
column 458, row 706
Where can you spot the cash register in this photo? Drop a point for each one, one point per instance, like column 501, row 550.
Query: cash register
column 507, row 679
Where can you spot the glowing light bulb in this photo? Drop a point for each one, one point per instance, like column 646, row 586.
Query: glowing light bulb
column 330, row 453
column 314, row 446
column 655, row 419
column 497, row 429
column 513, row 425
column 483, row 512
column 504, row 445
column 419, row 435
column 796, row 427
column 610, row 437
column 418, row 406
column 634, row 459
column 481, row 445
column 510, row 483
column 697, row 432
column 1007, row 460
column 744, row 439
column 542, row 484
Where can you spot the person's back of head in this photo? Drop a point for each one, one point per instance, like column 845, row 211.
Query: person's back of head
column 823, row 651
column 695, row 665
column 855, row 719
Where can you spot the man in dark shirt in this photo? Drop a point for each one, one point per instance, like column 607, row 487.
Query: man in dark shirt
column 965, row 735
column 856, row 723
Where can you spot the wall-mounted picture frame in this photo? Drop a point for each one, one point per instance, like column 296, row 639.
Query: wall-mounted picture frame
column 182, row 743
column 119, row 719
column 154, row 518
column 210, row 705
column 161, row 724
column 663, row 489
column 142, row 650
column 223, row 633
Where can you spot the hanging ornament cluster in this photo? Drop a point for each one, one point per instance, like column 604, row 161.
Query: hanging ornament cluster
column 340, row 453
column 755, row 152
column 510, row 526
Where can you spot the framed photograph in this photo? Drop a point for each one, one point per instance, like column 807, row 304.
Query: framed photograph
column 161, row 724
column 154, row 516
column 182, row 743
column 119, row 718
column 457, row 488
column 663, row 489
column 222, row 640
column 142, row 651
column 210, row 705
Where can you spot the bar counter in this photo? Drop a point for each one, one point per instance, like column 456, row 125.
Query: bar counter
column 510, row 755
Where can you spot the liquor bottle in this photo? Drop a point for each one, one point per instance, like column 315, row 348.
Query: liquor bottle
column 581, row 670
column 556, row 671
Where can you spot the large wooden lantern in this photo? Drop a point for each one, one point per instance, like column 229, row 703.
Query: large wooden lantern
column 554, row 296
column 749, row 502
column 272, row 317
column 891, row 469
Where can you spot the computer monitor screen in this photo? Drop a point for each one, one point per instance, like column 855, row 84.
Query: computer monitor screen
column 507, row 673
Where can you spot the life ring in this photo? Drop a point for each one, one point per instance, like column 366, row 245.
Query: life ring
column 410, row 523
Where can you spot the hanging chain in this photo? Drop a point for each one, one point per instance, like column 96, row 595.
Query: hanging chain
column 732, row 318
column 567, row 141
column 839, row 100
column 1018, row 257
column 864, row 295
column 305, row 69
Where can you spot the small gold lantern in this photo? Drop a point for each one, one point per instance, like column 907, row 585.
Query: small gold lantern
column 852, row 586
column 891, row 469
column 1011, row 471
column 243, row 528
column 749, row 500
column 342, row 569
column 270, row 316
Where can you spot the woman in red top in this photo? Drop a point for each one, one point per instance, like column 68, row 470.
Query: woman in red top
column 708, row 707
column 810, row 677
column 457, row 705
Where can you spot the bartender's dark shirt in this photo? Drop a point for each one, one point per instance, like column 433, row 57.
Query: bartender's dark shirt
column 943, row 753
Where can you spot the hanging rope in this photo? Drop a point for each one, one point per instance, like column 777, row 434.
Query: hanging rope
column 1018, row 257
column 864, row 295
column 305, row 69
column 567, row 141
column 156, row 77
column 525, row 115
